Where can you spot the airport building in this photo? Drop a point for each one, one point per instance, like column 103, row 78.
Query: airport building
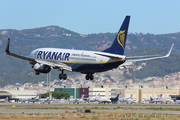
column 16, row 94
column 74, row 92
column 107, row 91
column 104, row 91
column 127, row 91
column 154, row 92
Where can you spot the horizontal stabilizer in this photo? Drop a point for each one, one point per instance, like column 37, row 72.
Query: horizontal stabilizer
column 115, row 56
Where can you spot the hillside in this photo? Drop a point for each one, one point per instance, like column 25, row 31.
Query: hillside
column 24, row 41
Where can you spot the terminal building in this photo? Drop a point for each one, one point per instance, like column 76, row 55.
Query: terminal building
column 16, row 94
column 74, row 92
column 106, row 91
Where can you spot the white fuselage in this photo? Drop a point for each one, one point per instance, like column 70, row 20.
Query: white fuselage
column 77, row 59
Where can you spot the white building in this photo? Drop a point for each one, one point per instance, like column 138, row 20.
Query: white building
column 16, row 94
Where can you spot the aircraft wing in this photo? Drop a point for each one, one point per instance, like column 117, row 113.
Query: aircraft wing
column 144, row 58
column 16, row 55
column 52, row 64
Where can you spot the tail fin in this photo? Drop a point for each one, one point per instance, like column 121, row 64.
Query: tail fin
column 37, row 96
column 117, row 96
column 151, row 98
column 160, row 96
column 50, row 96
column 120, row 40
column 82, row 96
column 131, row 95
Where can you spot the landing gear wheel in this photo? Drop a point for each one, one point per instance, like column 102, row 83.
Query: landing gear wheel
column 64, row 76
column 87, row 77
column 91, row 76
column 60, row 76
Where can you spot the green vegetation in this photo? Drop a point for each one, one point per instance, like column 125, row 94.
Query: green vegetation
column 57, row 95
column 155, row 68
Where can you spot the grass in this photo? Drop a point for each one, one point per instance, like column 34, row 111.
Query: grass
column 99, row 108
column 88, row 116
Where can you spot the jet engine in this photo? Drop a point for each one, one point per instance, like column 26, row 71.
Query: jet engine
column 41, row 68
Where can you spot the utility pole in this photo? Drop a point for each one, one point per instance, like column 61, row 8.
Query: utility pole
column 49, row 83
column 47, row 79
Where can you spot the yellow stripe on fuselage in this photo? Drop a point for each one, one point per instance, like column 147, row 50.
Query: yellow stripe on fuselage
column 88, row 63
column 38, row 69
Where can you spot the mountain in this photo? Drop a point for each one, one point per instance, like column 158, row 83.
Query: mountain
column 24, row 41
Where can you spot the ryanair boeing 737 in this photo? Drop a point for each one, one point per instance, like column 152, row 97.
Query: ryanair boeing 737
column 86, row 62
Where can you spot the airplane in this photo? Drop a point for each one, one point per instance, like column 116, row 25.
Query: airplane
column 76, row 100
column 44, row 100
column 85, row 62
column 148, row 99
column 166, row 100
column 30, row 99
column 158, row 99
column 142, row 102
column 94, row 99
column 115, row 100
column 125, row 99
column 130, row 100
column 35, row 99
column 122, row 99
column 177, row 102
column 154, row 100
column 104, row 100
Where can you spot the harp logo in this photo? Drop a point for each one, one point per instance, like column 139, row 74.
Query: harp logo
column 121, row 37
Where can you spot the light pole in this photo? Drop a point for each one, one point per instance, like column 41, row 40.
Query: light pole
column 49, row 83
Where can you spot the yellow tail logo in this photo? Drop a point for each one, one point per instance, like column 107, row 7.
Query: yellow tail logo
column 121, row 37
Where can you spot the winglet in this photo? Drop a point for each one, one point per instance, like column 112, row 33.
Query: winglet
column 7, row 46
column 168, row 54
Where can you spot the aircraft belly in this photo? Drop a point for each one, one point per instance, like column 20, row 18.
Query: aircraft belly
column 91, row 68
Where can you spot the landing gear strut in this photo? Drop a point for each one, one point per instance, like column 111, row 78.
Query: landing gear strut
column 62, row 75
column 37, row 73
column 89, row 76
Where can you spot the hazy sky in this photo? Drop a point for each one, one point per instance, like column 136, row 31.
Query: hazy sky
column 93, row 16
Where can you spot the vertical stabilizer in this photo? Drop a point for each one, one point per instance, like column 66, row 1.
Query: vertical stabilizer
column 82, row 96
column 118, row 45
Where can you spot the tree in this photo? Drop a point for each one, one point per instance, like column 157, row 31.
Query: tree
column 56, row 95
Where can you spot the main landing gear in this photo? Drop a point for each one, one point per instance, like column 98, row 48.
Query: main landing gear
column 89, row 76
column 37, row 73
column 62, row 75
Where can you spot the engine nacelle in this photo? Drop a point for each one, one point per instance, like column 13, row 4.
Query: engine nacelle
column 41, row 68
